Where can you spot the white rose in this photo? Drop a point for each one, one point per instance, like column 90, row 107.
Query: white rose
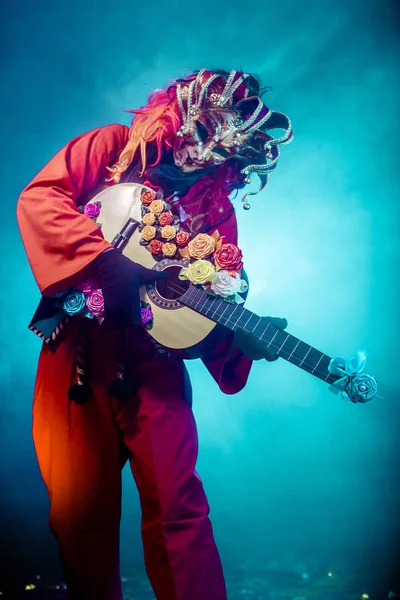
column 225, row 284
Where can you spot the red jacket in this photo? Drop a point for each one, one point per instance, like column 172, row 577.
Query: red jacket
column 60, row 241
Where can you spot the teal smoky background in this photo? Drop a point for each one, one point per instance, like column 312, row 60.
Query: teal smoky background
column 303, row 487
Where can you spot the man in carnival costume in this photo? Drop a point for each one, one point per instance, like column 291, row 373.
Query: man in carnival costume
column 197, row 141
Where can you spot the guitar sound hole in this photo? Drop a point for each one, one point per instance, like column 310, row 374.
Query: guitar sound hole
column 172, row 288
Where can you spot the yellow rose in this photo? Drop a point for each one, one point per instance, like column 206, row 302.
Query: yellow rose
column 199, row 272
column 168, row 232
column 157, row 206
column 201, row 246
column 148, row 233
column 169, row 249
column 149, row 219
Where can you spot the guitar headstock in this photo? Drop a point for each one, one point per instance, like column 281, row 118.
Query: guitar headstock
column 353, row 383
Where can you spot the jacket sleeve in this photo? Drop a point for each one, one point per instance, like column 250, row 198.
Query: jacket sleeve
column 60, row 241
column 229, row 367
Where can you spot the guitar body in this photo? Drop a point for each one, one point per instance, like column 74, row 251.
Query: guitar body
column 175, row 326
column 184, row 315
column 187, row 319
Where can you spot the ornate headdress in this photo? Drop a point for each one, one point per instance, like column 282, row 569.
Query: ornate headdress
column 249, row 130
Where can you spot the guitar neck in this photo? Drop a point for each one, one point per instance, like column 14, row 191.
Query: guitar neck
column 285, row 345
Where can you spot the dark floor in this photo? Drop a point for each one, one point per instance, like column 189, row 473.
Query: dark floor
column 270, row 585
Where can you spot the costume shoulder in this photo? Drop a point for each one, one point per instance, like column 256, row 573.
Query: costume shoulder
column 115, row 134
column 58, row 240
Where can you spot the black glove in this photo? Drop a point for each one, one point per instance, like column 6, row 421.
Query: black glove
column 120, row 279
column 252, row 347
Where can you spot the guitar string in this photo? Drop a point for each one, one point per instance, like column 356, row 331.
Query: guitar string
column 325, row 375
column 303, row 362
column 178, row 289
column 302, row 359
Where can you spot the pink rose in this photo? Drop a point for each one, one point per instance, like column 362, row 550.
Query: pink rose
column 92, row 210
column 95, row 303
column 146, row 315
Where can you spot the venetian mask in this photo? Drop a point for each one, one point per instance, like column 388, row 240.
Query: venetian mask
column 212, row 139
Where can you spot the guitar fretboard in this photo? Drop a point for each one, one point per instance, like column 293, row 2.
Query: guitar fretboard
column 285, row 345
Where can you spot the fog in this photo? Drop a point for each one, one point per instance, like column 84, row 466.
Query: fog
column 299, row 481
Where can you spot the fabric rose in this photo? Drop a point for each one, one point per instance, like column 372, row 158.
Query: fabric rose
column 182, row 238
column 202, row 246
column 361, row 388
column 149, row 219
column 147, row 197
column 148, row 233
column 169, row 249
column 157, row 206
column 155, row 247
column 74, row 303
column 92, row 210
column 95, row 303
column 228, row 256
column 227, row 284
column 168, row 232
column 352, row 383
column 146, row 315
column 165, row 219
column 199, row 272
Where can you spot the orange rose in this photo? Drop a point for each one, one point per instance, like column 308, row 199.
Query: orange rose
column 147, row 197
column 168, row 232
column 165, row 219
column 155, row 247
column 148, row 233
column 201, row 246
column 182, row 238
column 169, row 249
column 149, row 219
column 157, row 206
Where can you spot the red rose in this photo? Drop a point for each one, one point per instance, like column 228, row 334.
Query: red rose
column 182, row 238
column 147, row 197
column 155, row 247
column 165, row 219
column 228, row 256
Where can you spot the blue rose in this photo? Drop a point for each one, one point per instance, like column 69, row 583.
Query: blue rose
column 361, row 388
column 74, row 303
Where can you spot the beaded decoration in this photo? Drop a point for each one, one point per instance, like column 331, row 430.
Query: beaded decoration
column 250, row 129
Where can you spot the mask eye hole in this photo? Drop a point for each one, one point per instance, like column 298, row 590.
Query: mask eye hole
column 202, row 131
column 223, row 153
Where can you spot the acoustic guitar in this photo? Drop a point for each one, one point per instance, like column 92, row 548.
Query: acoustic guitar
column 184, row 315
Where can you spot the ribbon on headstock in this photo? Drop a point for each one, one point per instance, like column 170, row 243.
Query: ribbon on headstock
column 353, row 384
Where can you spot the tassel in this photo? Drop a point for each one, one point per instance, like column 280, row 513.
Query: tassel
column 80, row 392
column 122, row 388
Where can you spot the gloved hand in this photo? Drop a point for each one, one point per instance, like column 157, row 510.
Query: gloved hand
column 252, row 347
column 120, row 279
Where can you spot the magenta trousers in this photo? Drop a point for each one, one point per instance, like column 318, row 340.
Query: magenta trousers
column 82, row 449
